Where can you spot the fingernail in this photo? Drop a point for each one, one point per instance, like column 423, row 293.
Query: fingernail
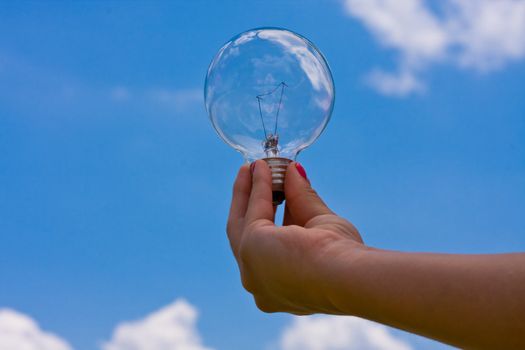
column 252, row 167
column 301, row 170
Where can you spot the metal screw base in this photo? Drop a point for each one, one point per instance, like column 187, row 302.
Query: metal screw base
column 278, row 166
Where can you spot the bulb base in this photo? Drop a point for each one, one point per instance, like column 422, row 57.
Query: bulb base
column 278, row 166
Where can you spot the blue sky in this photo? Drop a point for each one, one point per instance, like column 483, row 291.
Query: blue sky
column 114, row 188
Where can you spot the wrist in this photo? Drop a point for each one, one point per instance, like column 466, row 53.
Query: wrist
column 343, row 271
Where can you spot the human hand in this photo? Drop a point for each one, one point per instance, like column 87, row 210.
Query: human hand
column 288, row 268
column 317, row 263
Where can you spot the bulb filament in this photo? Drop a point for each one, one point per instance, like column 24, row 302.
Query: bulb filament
column 271, row 140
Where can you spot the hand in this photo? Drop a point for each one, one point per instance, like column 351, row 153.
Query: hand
column 287, row 268
column 317, row 263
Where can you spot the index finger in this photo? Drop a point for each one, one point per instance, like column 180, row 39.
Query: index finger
column 241, row 194
column 260, row 205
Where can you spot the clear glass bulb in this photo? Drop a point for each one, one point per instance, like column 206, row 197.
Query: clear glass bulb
column 269, row 94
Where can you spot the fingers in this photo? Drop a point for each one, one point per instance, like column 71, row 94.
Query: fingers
column 240, row 197
column 302, row 201
column 260, row 206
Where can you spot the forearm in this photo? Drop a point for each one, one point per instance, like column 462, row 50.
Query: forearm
column 472, row 301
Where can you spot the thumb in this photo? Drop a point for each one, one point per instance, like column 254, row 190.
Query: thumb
column 301, row 199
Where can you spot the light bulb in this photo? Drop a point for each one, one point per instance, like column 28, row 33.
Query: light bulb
column 269, row 94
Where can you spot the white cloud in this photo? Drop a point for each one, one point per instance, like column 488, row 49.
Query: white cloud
column 481, row 35
column 406, row 25
column 490, row 32
column 322, row 332
column 395, row 84
column 172, row 327
column 21, row 332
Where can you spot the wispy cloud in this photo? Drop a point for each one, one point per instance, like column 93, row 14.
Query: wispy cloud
column 324, row 332
column 179, row 99
column 21, row 332
column 399, row 83
column 482, row 35
column 119, row 94
column 61, row 94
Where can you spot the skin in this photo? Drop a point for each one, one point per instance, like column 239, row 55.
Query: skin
column 317, row 263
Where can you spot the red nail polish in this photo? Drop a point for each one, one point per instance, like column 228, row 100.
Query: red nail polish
column 301, row 170
column 252, row 167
